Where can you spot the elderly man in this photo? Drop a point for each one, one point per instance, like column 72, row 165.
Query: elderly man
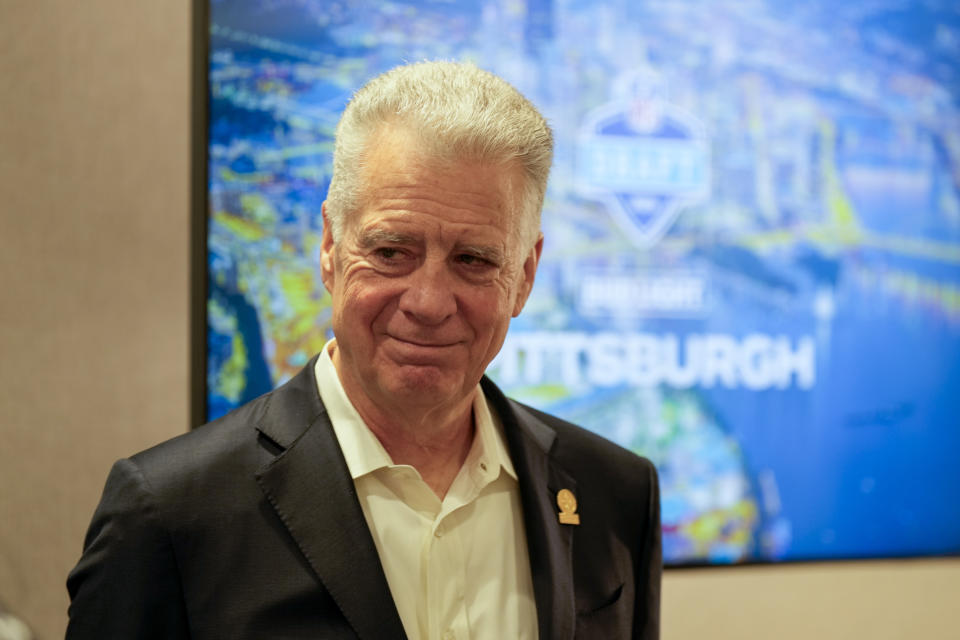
column 390, row 490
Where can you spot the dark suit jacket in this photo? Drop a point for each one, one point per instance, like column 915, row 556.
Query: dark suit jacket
column 249, row 527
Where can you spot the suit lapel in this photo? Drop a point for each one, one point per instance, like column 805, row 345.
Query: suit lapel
column 309, row 486
column 550, row 544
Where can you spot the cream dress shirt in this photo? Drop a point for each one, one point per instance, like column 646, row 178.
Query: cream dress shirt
column 457, row 568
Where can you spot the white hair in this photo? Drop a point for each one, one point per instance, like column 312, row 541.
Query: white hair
column 456, row 111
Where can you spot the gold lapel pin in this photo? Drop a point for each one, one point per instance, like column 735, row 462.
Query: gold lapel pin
column 568, row 507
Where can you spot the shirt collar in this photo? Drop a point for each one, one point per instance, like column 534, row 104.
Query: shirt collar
column 489, row 446
column 364, row 453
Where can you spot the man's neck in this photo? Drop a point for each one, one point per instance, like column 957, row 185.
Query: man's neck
column 437, row 455
column 434, row 440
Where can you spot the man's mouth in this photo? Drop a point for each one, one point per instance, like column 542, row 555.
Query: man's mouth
column 427, row 344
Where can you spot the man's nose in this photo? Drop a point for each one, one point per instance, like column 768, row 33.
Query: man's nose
column 429, row 296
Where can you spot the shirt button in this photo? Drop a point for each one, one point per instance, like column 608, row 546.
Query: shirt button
column 448, row 635
column 438, row 532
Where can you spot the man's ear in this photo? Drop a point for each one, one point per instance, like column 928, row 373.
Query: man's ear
column 529, row 272
column 326, row 251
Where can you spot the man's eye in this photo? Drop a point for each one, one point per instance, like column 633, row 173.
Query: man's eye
column 387, row 253
column 472, row 260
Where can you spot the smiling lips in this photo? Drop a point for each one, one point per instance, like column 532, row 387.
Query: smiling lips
column 420, row 353
column 424, row 344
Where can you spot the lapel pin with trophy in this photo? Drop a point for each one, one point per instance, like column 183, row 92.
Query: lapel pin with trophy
column 568, row 507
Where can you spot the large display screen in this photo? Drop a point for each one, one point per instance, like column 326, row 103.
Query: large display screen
column 751, row 272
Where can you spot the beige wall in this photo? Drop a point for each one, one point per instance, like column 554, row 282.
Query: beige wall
column 94, row 336
column 93, row 268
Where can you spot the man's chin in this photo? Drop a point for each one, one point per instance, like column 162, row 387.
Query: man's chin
column 425, row 385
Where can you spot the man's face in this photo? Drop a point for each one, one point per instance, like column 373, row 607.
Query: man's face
column 426, row 277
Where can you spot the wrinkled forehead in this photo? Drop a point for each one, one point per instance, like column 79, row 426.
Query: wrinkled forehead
column 393, row 152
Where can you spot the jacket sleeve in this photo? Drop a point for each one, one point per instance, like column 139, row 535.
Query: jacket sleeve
column 126, row 584
column 649, row 568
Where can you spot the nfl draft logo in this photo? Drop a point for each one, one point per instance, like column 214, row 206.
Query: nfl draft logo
column 644, row 158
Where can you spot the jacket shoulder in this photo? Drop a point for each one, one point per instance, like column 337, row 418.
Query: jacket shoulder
column 221, row 440
column 243, row 440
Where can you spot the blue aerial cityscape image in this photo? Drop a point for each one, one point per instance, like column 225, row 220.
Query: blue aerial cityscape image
column 751, row 268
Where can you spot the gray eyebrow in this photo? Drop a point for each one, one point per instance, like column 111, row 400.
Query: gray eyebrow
column 373, row 237
column 370, row 238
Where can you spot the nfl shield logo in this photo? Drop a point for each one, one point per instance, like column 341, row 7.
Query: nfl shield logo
column 644, row 158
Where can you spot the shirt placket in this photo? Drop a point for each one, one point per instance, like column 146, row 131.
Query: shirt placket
column 446, row 581
column 445, row 558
